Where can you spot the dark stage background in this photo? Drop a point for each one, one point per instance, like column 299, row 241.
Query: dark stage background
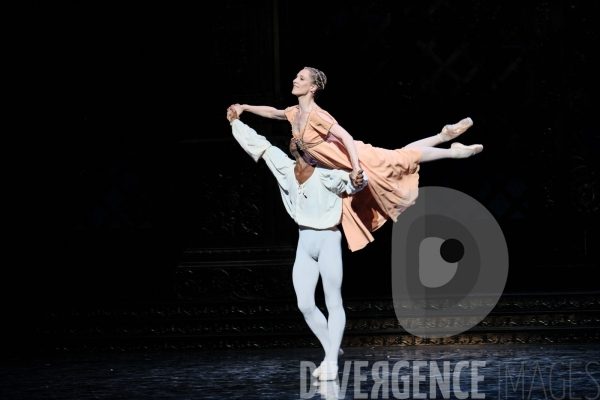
column 134, row 215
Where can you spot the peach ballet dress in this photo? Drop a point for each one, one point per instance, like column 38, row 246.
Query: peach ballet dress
column 393, row 176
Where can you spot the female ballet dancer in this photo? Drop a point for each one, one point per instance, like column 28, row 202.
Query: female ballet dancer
column 312, row 197
column 393, row 174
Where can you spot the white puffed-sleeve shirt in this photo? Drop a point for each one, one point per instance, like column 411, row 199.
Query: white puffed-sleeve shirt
column 317, row 203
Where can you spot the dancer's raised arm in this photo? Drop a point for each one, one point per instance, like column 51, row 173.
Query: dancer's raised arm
column 263, row 111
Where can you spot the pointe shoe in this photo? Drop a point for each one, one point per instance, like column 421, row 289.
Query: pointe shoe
column 450, row 132
column 329, row 371
column 467, row 151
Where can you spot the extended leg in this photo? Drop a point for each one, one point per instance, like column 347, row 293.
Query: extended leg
column 427, row 142
column 457, row 150
column 449, row 132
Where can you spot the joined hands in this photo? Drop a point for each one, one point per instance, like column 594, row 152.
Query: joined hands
column 238, row 108
column 357, row 178
column 232, row 114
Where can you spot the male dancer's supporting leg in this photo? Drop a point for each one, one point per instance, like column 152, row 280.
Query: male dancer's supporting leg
column 324, row 246
column 330, row 266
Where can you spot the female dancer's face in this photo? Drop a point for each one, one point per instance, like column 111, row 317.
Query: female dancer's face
column 302, row 83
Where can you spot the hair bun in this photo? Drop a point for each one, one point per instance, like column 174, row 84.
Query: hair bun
column 319, row 77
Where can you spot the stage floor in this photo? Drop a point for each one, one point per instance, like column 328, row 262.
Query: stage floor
column 488, row 371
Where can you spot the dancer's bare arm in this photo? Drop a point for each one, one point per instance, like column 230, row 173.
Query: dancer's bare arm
column 336, row 130
column 348, row 141
column 263, row 111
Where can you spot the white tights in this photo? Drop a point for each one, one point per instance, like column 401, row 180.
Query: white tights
column 320, row 252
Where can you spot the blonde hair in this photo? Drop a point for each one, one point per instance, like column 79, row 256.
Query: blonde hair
column 318, row 78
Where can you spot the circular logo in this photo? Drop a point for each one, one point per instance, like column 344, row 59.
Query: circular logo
column 449, row 263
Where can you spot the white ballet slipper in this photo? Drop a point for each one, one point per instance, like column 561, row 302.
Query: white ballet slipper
column 317, row 372
column 329, row 371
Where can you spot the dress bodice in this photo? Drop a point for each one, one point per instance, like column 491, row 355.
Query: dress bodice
column 315, row 130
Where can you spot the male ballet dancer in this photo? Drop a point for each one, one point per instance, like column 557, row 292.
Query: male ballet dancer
column 313, row 198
